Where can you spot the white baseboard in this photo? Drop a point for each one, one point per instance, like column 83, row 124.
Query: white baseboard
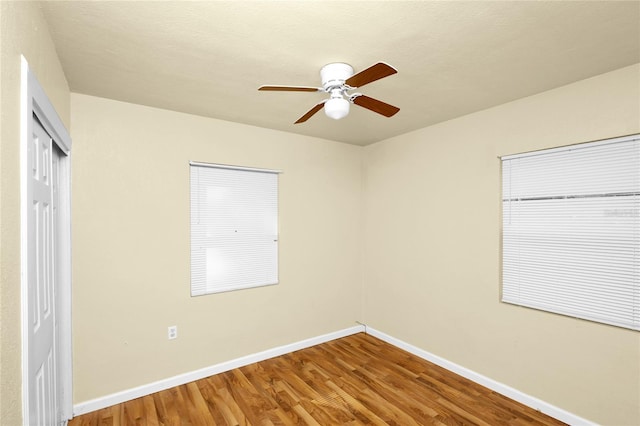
column 137, row 392
column 494, row 385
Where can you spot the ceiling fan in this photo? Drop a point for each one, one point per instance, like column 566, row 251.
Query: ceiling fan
column 338, row 80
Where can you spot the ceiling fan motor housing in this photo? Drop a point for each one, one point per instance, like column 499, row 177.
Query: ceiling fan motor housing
column 334, row 75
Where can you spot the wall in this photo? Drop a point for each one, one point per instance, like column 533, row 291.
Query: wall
column 131, row 244
column 432, row 250
column 22, row 31
column 431, row 266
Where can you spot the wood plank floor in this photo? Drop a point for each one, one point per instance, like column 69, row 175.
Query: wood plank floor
column 356, row 380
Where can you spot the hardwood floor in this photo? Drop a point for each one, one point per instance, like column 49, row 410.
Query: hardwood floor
column 355, row 380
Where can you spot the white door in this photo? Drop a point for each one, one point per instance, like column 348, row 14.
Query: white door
column 45, row 223
column 44, row 390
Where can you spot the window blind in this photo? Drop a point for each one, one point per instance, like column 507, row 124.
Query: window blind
column 571, row 231
column 234, row 228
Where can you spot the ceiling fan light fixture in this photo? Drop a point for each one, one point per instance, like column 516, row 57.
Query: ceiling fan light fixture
column 336, row 108
column 338, row 80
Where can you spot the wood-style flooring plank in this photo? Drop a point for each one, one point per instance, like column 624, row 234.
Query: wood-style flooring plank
column 356, row 380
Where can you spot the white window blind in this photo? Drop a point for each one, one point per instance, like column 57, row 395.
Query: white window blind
column 234, row 228
column 571, row 231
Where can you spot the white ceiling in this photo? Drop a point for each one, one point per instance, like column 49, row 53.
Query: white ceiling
column 208, row 58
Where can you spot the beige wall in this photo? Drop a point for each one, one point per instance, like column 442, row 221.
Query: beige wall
column 22, row 31
column 431, row 264
column 432, row 250
column 131, row 244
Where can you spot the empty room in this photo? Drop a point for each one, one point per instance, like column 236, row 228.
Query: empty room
column 319, row 212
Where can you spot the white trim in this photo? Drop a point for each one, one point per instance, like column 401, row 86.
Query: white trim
column 65, row 309
column 230, row 167
column 137, row 392
column 571, row 147
column 26, row 113
column 34, row 100
column 485, row 381
column 45, row 111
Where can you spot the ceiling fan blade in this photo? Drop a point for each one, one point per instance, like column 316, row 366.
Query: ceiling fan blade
column 375, row 105
column 310, row 113
column 373, row 73
column 290, row 89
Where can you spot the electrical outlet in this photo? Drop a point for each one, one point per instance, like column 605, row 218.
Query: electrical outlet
column 172, row 332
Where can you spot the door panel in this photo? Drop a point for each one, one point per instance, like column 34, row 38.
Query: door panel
column 41, row 283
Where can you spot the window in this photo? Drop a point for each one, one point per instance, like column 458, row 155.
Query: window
column 571, row 231
column 234, row 228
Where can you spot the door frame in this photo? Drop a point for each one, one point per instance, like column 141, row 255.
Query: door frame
column 33, row 100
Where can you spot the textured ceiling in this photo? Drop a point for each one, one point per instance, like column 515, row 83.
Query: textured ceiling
column 208, row 58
